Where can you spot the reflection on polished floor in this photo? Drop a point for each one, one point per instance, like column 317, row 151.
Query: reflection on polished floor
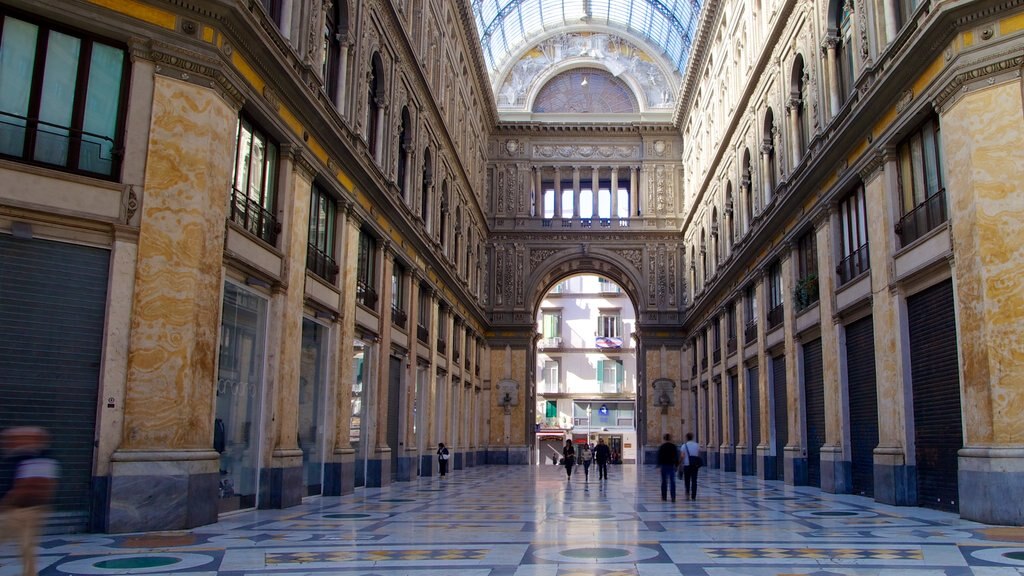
column 530, row 521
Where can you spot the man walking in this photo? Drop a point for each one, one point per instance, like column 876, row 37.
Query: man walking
column 691, row 464
column 602, row 454
column 668, row 461
column 28, row 482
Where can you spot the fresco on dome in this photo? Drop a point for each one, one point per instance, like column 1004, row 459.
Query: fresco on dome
column 617, row 55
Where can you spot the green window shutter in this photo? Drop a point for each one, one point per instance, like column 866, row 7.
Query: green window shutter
column 600, row 371
column 551, row 410
column 620, row 372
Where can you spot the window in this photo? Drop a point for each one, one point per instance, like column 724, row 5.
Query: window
column 423, row 315
column 551, row 325
column 806, row 290
column 398, row 315
column 768, row 158
column 612, row 374
column 853, row 236
column 442, row 328
column 606, row 285
column 844, row 49
column 551, row 410
column 748, row 192
column 374, row 106
column 775, row 298
column 366, row 263
column 609, row 324
column 426, row 192
column 750, row 314
column 320, row 252
column 552, row 376
column 730, row 328
column 253, row 193
column 61, row 98
column 922, row 196
column 404, row 148
column 273, row 8
column 716, row 340
column 335, row 65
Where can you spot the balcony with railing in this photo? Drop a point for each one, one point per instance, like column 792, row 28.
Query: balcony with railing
column 693, row 369
column 319, row 263
column 730, row 345
column 553, row 342
column 806, row 291
column 775, row 316
column 366, row 295
column 854, row 265
column 442, row 346
column 399, row 317
column 422, row 333
column 716, row 355
column 59, row 146
column 253, row 217
column 704, row 363
column 456, row 355
column 924, row 218
column 750, row 332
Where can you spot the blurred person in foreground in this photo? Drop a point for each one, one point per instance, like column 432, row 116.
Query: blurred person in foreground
column 28, row 481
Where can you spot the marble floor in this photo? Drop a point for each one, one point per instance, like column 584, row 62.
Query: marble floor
column 530, row 521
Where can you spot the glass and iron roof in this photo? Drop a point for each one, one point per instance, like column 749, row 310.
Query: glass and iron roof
column 507, row 26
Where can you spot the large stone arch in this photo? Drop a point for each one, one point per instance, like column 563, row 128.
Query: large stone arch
column 570, row 262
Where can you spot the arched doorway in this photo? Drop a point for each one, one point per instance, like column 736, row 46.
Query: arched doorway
column 586, row 376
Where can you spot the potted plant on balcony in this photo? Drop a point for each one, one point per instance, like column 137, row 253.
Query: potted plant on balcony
column 806, row 291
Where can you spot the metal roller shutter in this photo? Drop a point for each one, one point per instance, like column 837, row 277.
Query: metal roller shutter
column 754, row 403
column 814, row 407
column 52, row 307
column 860, row 375
column 705, row 426
column 938, row 431
column 734, row 423
column 718, row 425
column 781, row 414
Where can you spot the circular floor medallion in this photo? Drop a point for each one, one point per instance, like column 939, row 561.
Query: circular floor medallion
column 595, row 553
column 133, row 563
column 346, row 516
column 1007, row 556
column 836, row 514
column 618, row 554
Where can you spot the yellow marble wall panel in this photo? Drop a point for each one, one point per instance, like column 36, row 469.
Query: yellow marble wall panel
column 983, row 143
column 177, row 300
column 141, row 11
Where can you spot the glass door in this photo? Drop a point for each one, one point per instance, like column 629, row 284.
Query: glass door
column 312, row 405
column 237, row 420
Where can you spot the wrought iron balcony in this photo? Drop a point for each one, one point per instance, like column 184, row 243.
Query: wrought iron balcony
column 853, row 265
column 253, row 217
column 422, row 333
column 924, row 218
column 366, row 295
column 399, row 317
column 775, row 316
column 730, row 345
column 319, row 263
column 750, row 332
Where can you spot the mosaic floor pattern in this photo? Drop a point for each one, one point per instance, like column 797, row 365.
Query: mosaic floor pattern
column 529, row 521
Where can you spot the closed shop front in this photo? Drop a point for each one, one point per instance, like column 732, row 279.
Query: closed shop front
column 52, row 309
column 938, row 432
column 863, row 394
column 754, row 423
column 814, row 408
column 313, row 404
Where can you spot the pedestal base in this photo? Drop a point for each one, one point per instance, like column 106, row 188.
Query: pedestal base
column 991, row 490
column 162, row 490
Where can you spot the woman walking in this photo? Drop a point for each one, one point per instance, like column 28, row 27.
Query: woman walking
column 442, row 459
column 568, row 458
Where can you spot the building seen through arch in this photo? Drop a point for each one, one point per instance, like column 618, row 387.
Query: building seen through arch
column 252, row 252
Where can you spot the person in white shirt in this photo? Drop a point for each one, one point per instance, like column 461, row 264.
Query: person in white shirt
column 691, row 462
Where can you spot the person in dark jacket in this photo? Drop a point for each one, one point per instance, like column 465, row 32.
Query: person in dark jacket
column 569, row 458
column 602, row 454
column 27, row 484
column 442, row 459
column 668, row 461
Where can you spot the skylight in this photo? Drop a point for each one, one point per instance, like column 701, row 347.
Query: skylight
column 507, row 26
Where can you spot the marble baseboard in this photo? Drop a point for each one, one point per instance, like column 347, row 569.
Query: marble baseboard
column 991, row 490
column 796, row 470
column 481, row 457
column 896, row 484
column 836, row 476
column 748, row 464
column 378, row 472
column 427, row 465
column 145, row 503
column 339, row 478
column 100, row 494
column 281, row 487
column 729, row 462
column 767, row 468
column 513, row 455
column 405, row 469
column 457, row 461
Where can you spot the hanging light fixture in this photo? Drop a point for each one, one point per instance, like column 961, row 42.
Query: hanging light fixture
column 584, row 82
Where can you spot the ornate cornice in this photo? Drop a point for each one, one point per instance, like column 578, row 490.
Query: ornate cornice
column 1010, row 60
column 189, row 66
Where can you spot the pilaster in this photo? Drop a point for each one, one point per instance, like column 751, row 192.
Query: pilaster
column 795, row 457
column 378, row 468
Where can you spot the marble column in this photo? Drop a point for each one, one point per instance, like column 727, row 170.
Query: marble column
column 984, row 156
column 428, row 459
column 831, row 70
column 408, row 454
column 767, row 178
column 342, row 75
column 795, row 137
column 766, row 467
column 164, row 475
column 339, row 469
column 558, row 192
column 836, row 466
column 634, row 195
column 895, row 480
column 378, row 467
column 745, row 453
column 891, row 10
column 728, row 443
column 575, row 191
column 614, row 198
column 283, row 476
column 795, row 457
column 595, row 183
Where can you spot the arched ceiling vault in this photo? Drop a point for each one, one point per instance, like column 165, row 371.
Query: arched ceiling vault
column 508, row 27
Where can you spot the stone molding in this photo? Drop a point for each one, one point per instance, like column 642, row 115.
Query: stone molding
column 189, row 66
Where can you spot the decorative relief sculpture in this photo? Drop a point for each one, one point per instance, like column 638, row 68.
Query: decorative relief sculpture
column 634, row 256
column 612, row 52
column 585, row 151
column 538, row 256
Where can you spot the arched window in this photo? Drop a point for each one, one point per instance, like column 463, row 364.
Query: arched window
column 716, row 255
column 375, row 106
column 404, row 148
column 842, row 11
column 693, row 272
column 797, row 109
column 768, row 157
column 457, row 239
column 703, row 256
column 427, row 189
column 747, row 187
column 442, row 225
column 730, row 228
column 335, row 64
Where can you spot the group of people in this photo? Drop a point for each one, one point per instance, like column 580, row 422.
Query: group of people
column 599, row 453
column 685, row 460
